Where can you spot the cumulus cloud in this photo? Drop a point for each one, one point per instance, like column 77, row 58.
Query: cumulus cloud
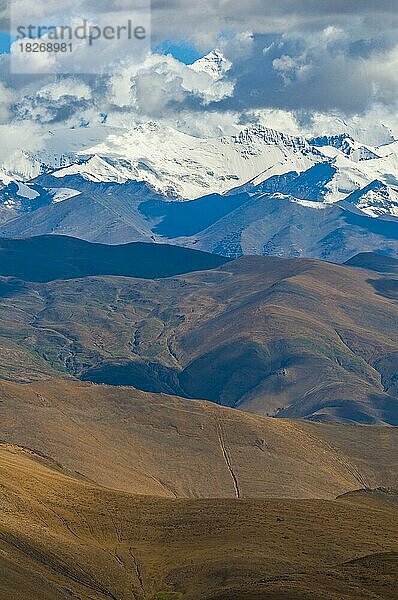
column 202, row 21
column 54, row 101
column 17, row 141
column 163, row 84
column 316, row 72
column 6, row 97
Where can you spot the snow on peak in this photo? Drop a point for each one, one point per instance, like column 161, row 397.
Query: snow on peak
column 182, row 166
column 342, row 141
column 376, row 199
column 269, row 136
column 214, row 64
column 149, row 127
column 98, row 169
column 345, row 144
column 4, row 178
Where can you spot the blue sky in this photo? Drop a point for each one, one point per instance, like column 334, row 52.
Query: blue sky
column 4, row 42
column 182, row 51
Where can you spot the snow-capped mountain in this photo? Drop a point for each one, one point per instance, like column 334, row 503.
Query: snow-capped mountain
column 344, row 142
column 184, row 167
column 376, row 199
column 18, row 197
column 214, row 64
column 259, row 191
column 14, row 193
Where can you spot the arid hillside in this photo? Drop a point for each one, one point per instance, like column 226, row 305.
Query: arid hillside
column 62, row 537
column 126, row 472
column 160, row 445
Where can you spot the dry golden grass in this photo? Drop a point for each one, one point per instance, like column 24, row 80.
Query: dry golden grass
column 63, row 538
column 173, row 447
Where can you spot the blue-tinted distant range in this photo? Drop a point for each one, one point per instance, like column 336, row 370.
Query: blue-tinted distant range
column 257, row 192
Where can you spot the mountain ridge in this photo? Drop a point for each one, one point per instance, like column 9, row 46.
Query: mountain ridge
column 46, row 258
column 254, row 334
column 257, row 192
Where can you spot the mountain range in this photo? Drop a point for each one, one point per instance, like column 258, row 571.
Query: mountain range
column 258, row 192
column 199, row 307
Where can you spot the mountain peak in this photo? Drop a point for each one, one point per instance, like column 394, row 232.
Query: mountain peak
column 376, row 199
column 269, row 136
column 214, row 64
column 342, row 141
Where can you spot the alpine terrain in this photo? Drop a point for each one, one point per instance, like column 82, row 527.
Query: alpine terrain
column 199, row 304
column 259, row 191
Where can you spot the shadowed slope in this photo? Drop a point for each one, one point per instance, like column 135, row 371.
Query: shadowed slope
column 374, row 262
column 49, row 257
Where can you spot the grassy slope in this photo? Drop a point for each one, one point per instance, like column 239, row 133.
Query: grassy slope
column 296, row 338
column 62, row 538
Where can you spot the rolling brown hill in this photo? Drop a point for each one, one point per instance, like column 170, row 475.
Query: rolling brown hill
column 160, row 445
column 62, row 537
column 287, row 338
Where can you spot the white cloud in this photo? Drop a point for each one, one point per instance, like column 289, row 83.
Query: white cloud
column 71, row 87
column 162, row 85
column 6, row 97
column 17, row 141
